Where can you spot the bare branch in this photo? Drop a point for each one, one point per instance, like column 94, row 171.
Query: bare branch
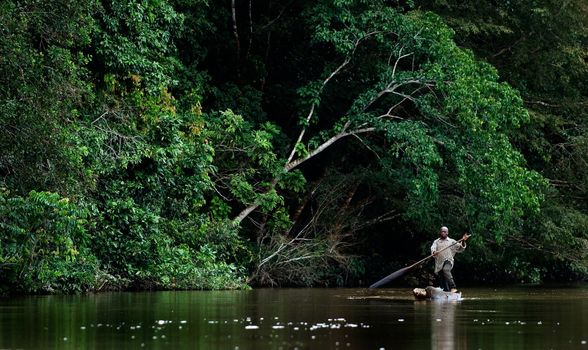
column 391, row 88
column 312, row 108
column 398, row 60
column 299, row 258
column 542, row 103
column 325, row 82
column 270, row 23
column 324, row 146
column 366, row 145
column 390, row 215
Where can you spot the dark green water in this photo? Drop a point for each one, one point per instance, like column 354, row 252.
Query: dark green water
column 522, row 318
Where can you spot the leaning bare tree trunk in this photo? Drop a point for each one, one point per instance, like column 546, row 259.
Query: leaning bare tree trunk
column 391, row 88
column 293, row 164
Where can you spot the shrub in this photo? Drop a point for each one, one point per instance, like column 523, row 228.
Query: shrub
column 43, row 244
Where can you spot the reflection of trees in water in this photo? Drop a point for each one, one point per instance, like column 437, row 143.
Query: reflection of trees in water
column 443, row 332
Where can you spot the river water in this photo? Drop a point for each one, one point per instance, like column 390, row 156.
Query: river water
column 505, row 318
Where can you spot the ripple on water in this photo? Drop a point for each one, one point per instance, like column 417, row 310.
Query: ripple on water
column 332, row 323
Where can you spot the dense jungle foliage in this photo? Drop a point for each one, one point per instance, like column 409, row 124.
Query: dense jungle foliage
column 193, row 144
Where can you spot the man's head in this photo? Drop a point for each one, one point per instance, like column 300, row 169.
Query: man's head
column 443, row 232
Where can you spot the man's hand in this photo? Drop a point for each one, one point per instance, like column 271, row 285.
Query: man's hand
column 434, row 253
column 465, row 237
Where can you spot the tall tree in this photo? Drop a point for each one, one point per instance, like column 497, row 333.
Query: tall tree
column 539, row 47
column 42, row 89
column 394, row 81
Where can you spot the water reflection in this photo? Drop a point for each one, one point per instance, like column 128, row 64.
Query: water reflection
column 443, row 325
column 297, row 318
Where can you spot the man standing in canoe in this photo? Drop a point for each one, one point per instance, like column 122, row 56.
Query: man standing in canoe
column 444, row 257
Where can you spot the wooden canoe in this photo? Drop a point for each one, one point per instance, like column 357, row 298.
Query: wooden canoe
column 435, row 293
